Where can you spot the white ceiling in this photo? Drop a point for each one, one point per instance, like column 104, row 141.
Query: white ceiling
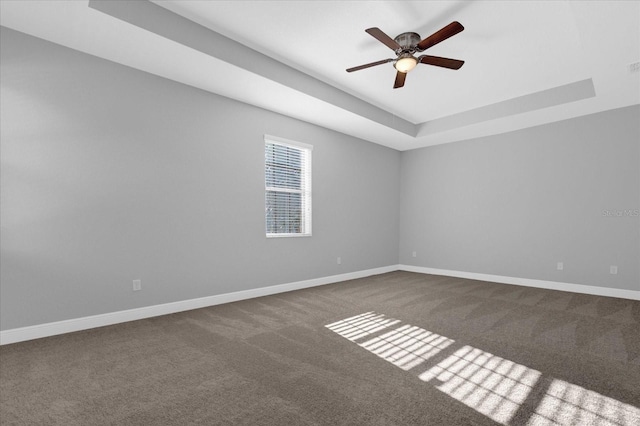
column 526, row 62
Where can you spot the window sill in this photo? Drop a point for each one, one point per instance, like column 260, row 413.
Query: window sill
column 287, row 235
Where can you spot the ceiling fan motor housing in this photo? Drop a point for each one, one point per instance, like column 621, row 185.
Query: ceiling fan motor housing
column 408, row 41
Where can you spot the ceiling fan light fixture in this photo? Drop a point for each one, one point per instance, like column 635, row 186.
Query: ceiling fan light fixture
column 405, row 63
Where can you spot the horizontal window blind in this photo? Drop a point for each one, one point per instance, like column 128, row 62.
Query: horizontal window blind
column 287, row 188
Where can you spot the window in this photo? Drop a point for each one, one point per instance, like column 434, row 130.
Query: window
column 287, row 176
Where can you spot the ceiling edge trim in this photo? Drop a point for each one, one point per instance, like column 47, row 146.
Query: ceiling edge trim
column 559, row 95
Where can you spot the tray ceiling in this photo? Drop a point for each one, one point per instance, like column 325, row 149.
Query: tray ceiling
column 526, row 63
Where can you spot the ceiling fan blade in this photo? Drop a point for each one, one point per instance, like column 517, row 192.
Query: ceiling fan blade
column 453, row 64
column 450, row 30
column 372, row 64
column 400, row 77
column 383, row 38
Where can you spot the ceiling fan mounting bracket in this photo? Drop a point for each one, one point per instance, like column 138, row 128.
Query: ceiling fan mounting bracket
column 408, row 42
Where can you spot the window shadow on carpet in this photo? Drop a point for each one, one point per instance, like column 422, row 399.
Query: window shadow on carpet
column 504, row 391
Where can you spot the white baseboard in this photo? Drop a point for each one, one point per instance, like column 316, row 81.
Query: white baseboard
column 549, row 285
column 77, row 324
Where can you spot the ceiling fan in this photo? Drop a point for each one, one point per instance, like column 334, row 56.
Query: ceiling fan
column 406, row 44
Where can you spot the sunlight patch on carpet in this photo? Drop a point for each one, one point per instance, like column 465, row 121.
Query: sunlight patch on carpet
column 568, row 404
column 493, row 386
column 362, row 325
column 407, row 346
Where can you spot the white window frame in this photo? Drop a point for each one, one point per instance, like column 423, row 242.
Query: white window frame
column 306, row 186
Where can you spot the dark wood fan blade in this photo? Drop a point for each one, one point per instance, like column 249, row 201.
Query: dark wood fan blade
column 400, row 77
column 453, row 64
column 372, row 64
column 383, row 38
column 450, row 30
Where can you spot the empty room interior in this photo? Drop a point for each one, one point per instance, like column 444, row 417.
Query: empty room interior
column 320, row 212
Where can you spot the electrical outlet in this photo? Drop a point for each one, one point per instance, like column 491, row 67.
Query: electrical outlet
column 339, row 261
column 137, row 285
column 560, row 266
column 613, row 269
column 414, row 254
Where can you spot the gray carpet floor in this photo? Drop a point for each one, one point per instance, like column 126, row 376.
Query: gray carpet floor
column 393, row 349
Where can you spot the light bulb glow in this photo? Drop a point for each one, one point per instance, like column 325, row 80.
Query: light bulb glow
column 406, row 63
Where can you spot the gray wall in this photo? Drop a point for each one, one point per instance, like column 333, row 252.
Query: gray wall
column 518, row 203
column 110, row 174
